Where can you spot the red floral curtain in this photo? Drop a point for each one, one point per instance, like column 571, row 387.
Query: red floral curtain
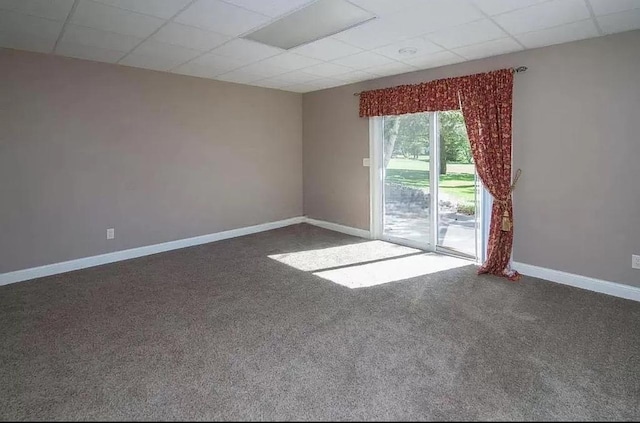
column 486, row 103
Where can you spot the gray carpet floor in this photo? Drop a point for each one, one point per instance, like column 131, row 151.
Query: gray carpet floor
column 224, row 331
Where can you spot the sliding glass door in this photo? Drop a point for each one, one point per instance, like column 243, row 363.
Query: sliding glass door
column 458, row 187
column 425, row 191
column 406, row 191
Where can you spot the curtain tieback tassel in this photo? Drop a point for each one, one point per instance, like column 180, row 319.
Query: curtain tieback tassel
column 507, row 225
column 506, row 221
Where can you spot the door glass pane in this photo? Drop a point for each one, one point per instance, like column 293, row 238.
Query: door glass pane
column 406, row 177
column 457, row 187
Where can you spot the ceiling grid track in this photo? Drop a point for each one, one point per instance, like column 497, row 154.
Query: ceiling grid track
column 157, row 29
column 64, row 26
column 593, row 17
column 499, row 26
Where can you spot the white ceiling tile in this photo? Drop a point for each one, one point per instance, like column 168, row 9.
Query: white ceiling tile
column 326, row 49
column 300, row 88
column 355, row 76
column 269, row 83
column 319, row 84
column 190, row 37
column 17, row 24
column 467, row 34
column 434, row 60
column 544, row 15
column 327, row 69
column 363, row 60
column 372, row 34
column 421, row 44
column 326, row 83
column 295, row 77
column 57, row 10
column 488, row 49
column 606, row 7
column 560, row 34
column 149, row 62
column 391, row 69
column 496, row 7
column 246, row 51
column 100, row 16
column 421, row 18
column 29, row 42
column 78, row 35
column 433, row 15
column 290, row 61
column 239, row 76
column 219, row 64
column 386, row 7
column 271, row 8
column 194, row 69
column 265, row 70
column 86, row 52
column 177, row 54
column 159, row 8
column 620, row 22
column 218, row 16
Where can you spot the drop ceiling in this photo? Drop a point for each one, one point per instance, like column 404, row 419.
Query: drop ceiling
column 203, row 37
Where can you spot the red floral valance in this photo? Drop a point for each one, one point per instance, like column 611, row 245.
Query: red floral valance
column 432, row 96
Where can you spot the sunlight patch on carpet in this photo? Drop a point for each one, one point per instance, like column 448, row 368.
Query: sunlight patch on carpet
column 393, row 270
column 369, row 263
column 325, row 258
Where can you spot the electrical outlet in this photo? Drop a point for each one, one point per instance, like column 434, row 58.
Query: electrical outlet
column 111, row 233
column 366, row 162
column 635, row 261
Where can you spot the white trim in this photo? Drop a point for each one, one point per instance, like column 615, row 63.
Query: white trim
column 584, row 282
column 82, row 263
column 407, row 242
column 579, row 281
column 486, row 202
column 362, row 233
column 376, row 178
column 434, row 180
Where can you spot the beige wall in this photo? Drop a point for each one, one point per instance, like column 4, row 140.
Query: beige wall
column 576, row 128
column 86, row 146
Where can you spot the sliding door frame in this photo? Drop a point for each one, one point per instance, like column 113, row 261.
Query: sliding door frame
column 376, row 176
column 434, row 178
column 377, row 206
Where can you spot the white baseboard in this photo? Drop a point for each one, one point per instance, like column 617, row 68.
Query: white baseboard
column 578, row 281
column 82, row 263
column 338, row 228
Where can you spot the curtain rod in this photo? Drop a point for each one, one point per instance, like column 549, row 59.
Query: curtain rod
column 519, row 69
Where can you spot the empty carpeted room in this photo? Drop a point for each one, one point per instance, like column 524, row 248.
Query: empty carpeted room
column 353, row 210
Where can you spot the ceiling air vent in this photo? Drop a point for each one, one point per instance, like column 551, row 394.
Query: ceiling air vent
column 318, row 20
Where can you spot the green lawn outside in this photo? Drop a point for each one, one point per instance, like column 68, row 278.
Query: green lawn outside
column 458, row 182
